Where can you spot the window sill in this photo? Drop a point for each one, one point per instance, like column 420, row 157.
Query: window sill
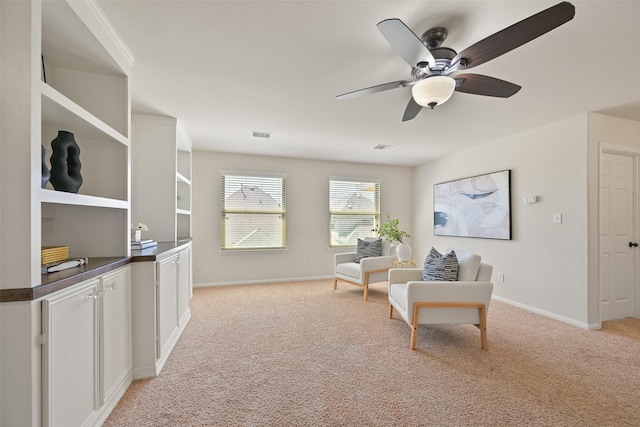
column 252, row 251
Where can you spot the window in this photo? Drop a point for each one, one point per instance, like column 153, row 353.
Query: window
column 354, row 210
column 253, row 211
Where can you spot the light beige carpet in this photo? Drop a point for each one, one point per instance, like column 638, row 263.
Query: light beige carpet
column 301, row 354
column 628, row 327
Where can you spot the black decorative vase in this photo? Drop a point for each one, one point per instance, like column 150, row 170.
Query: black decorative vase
column 65, row 163
column 46, row 175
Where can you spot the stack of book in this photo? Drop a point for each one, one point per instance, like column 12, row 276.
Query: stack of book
column 51, row 254
column 143, row 244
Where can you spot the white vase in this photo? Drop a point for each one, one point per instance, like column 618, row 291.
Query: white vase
column 137, row 235
column 403, row 252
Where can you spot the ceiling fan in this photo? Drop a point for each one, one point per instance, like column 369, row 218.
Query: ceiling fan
column 432, row 64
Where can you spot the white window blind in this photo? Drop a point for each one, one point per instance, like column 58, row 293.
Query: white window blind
column 354, row 211
column 253, row 212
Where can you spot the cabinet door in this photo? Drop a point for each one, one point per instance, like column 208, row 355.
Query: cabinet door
column 116, row 330
column 70, row 380
column 167, row 310
column 184, row 283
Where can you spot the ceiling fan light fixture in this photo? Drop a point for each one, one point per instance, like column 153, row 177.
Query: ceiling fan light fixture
column 433, row 90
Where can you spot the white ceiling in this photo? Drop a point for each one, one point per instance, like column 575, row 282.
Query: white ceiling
column 226, row 68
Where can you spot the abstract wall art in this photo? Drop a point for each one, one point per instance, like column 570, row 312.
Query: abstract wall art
column 479, row 206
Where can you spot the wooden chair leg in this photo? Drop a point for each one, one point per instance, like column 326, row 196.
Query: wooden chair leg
column 335, row 283
column 414, row 326
column 366, row 285
column 390, row 311
column 483, row 328
column 414, row 336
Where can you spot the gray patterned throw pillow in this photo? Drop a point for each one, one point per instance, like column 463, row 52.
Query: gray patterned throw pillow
column 367, row 249
column 440, row 268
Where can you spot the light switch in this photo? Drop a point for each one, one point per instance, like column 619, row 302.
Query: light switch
column 557, row 218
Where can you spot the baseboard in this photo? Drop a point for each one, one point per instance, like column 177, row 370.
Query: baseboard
column 554, row 316
column 112, row 398
column 144, row 372
column 256, row 282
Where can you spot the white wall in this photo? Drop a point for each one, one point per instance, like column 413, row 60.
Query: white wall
column 545, row 265
column 308, row 254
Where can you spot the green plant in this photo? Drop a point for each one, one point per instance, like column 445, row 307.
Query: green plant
column 391, row 231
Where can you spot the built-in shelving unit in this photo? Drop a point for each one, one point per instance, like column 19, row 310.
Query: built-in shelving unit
column 161, row 183
column 64, row 68
column 84, row 89
column 183, row 186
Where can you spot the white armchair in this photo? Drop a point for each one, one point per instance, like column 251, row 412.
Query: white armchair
column 369, row 270
column 463, row 301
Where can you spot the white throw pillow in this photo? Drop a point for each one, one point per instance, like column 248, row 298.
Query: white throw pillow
column 468, row 265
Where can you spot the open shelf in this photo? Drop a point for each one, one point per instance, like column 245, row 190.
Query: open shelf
column 181, row 178
column 60, row 112
column 64, row 198
column 83, row 60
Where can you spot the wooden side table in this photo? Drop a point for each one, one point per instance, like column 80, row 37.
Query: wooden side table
column 403, row 264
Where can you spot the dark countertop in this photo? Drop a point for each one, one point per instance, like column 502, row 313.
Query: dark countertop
column 96, row 266
column 158, row 253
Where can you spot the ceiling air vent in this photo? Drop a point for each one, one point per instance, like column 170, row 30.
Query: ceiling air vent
column 382, row 147
column 260, row 134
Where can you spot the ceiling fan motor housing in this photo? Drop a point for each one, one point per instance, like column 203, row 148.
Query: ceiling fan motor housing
column 434, row 37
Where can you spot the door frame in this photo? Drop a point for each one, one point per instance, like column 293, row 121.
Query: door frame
column 635, row 154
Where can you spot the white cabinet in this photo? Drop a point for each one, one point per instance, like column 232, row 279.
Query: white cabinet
column 185, row 290
column 160, row 295
column 167, row 304
column 86, row 350
column 174, row 294
column 161, row 177
column 71, row 343
column 116, row 373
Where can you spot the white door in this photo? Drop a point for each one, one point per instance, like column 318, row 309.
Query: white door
column 617, row 237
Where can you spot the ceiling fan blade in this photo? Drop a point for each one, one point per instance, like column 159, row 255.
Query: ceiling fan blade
column 412, row 110
column 374, row 89
column 514, row 36
column 478, row 84
column 406, row 43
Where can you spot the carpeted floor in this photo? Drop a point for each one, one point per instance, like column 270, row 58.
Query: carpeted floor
column 628, row 327
column 301, row 354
